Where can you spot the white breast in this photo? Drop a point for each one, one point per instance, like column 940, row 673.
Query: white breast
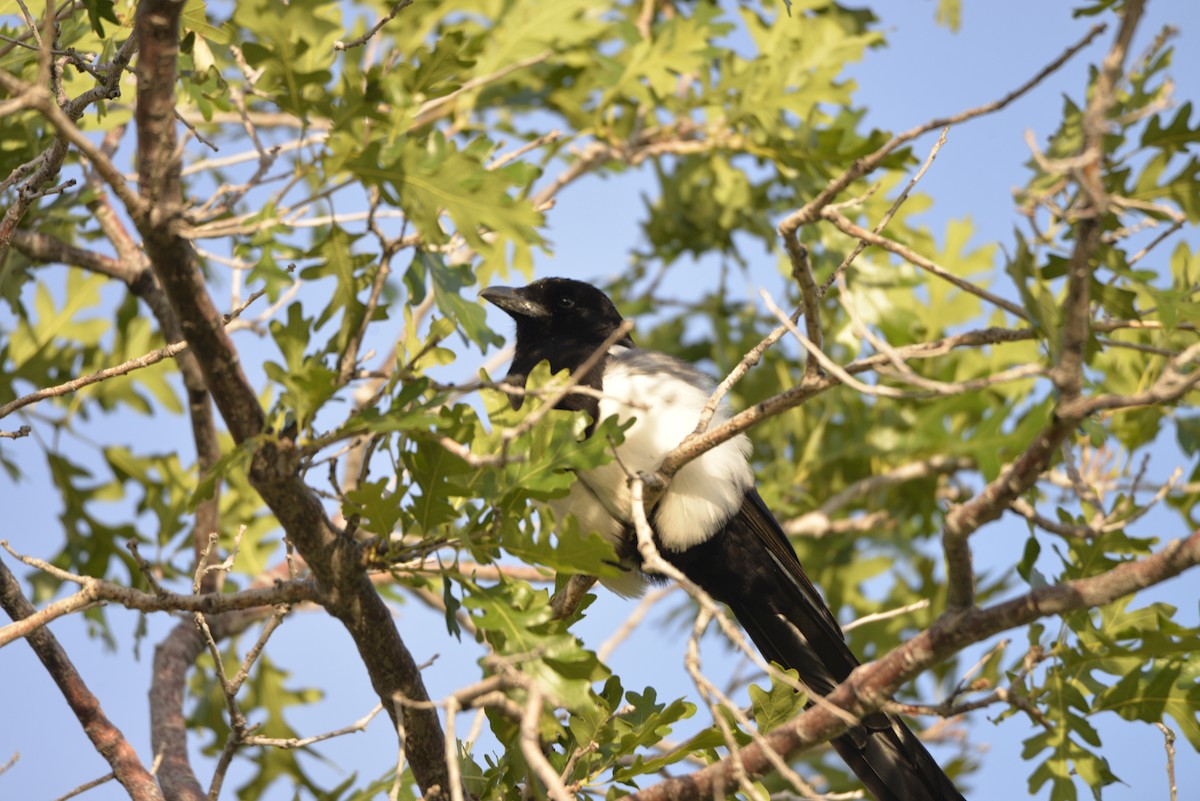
column 665, row 397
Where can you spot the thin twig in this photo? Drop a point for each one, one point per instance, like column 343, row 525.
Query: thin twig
column 83, row 788
column 848, row 227
column 888, row 615
column 290, row 743
column 816, row 355
column 860, row 246
column 812, row 210
column 384, row 20
column 531, row 747
column 146, row 360
column 97, row 591
column 1169, row 745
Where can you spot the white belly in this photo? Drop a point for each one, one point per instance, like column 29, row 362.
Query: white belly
column 666, row 407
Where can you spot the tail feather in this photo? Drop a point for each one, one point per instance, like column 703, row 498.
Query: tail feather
column 892, row 763
column 788, row 621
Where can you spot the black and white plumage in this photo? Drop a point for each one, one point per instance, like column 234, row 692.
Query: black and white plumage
column 710, row 523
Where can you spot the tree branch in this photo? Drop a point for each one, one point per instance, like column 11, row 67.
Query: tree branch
column 63, row 120
column 819, row 520
column 846, row 226
column 168, row 686
column 696, row 444
column 95, row 591
column 1067, row 373
column 869, row 686
column 107, row 738
column 42, row 247
column 274, row 472
column 203, row 428
column 358, row 41
column 811, row 211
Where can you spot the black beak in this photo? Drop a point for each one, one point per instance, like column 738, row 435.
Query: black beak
column 514, row 302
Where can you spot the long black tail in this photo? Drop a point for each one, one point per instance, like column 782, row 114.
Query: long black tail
column 750, row 566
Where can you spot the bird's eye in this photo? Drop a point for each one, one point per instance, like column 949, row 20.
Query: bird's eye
column 565, row 302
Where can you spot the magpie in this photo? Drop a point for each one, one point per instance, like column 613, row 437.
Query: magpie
column 710, row 523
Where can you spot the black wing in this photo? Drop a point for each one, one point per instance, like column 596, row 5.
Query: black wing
column 750, row 566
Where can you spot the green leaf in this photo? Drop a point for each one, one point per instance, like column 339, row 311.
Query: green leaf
column 448, row 281
column 1176, row 136
column 293, row 48
column 59, row 323
column 562, row 547
column 336, row 259
column 1152, row 187
column 776, row 706
column 441, row 476
column 435, row 177
column 409, row 412
column 518, row 623
column 98, row 11
column 525, row 30
column 307, row 383
column 1026, row 568
column 1187, row 433
column 645, row 725
column 376, row 505
column 949, row 14
column 1152, row 694
column 437, row 71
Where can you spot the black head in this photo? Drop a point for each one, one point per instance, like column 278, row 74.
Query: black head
column 558, row 312
column 562, row 321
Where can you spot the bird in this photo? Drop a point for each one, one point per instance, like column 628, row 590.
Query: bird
column 710, row 523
